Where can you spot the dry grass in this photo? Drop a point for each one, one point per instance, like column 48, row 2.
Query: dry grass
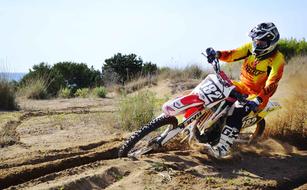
column 137, row 110
column 8, row 123
column 35, row 88
column 233, row 70
column 183, row 79
column 140, row 83
column 290, row 122
column 181, row 75
column 181, row 87
column 133, row 85
column 8, row 134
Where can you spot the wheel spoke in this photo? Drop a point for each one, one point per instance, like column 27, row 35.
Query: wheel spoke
column 146, row 139
column 147, row 144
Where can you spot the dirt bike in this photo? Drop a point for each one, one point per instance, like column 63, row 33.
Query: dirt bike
column 205, row 111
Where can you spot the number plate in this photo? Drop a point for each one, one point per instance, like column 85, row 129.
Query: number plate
column 211, row 92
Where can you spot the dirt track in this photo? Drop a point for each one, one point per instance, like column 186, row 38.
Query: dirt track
column 75, row 148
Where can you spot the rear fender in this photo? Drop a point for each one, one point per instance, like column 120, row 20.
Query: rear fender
column 271, row 106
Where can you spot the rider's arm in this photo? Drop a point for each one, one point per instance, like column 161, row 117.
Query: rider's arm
column 275, row 75
column 235, row 54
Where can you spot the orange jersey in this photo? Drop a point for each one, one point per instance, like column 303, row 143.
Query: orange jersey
column 258, row 77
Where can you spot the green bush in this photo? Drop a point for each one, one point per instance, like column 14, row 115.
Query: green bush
column 44, row 71
column 77, row 75
column 136, row 111
column 64, row 75
column 7, row 96
column 82, row 92
column 34, row 88
column 65, row 93
column 292, row 47
column 121, row 68
column 100, row 92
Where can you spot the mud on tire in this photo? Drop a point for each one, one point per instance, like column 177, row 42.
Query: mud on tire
column 145, row 130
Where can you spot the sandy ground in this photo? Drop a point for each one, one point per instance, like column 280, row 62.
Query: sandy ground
column 73, row 144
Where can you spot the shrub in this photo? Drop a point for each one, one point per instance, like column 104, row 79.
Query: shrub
column 64, row 75
column 82, row 92
column 53, row 78
column 293, row 47
column 100, row 92
column 64, row 93
column 137, row 110
column 149, row 69
column 34, row 88
column 7, row 96
column 77, row 75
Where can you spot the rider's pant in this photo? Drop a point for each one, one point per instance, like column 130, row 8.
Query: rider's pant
column 235, row 120
column 239, row 112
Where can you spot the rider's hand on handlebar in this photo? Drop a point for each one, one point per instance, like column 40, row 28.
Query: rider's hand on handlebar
column 212, row 54
column 253, row 105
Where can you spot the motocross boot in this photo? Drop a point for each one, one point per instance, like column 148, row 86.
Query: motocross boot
column 222, row 148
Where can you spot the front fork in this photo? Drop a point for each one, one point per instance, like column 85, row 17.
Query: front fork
column 187, row 126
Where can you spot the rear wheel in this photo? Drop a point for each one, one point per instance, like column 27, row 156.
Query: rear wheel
column 145, row 139
column 259, row 130
column 252, row 134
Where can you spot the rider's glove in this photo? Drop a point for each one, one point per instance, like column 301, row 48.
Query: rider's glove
column 212, row 54
column 253, row 105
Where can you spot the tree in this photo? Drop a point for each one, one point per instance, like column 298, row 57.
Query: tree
column 77, row 75
column 126, row 67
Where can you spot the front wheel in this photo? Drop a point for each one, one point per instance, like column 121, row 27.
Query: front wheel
column 143, row 140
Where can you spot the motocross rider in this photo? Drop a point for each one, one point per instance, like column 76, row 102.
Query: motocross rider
column 261, row 70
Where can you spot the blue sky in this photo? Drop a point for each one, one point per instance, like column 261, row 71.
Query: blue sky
column 168, row 33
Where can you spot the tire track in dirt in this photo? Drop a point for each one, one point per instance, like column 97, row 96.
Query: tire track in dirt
column 98, row 175
column 50, row 155
column 22, row 174
column 101, row 170
column 12, row 125
column 293, row 183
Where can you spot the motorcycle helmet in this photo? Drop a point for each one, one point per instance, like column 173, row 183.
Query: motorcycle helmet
column 265, row 37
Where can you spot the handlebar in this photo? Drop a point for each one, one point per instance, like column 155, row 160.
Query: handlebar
column 225, row 80
column 237, row 95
